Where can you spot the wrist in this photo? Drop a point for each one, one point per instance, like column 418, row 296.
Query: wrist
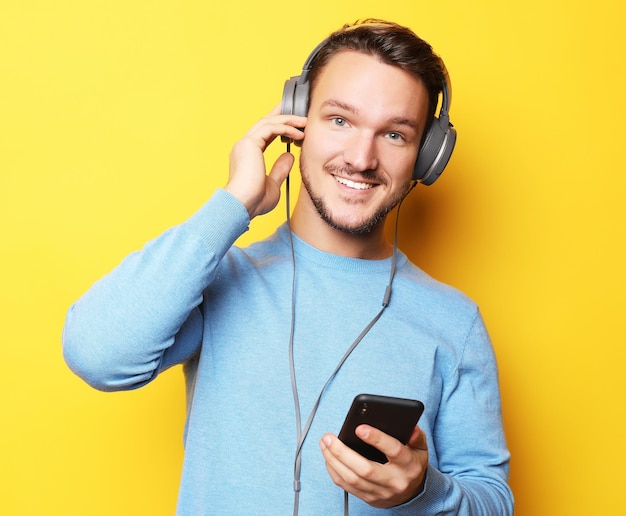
column 249, row 202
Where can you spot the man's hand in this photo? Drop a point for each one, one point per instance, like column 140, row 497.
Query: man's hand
column 379, row 485
column 248, row 179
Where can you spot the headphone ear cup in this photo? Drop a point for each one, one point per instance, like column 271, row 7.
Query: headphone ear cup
column 295, row 99
column 435, row 152
column 286, row 105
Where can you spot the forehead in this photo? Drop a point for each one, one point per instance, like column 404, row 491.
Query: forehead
column 368, row 84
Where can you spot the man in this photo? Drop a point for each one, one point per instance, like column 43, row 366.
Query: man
column 277, row 339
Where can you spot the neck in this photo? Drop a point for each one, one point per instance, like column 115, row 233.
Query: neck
column 309, row 226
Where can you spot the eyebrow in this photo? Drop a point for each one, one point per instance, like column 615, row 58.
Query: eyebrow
column 340, row 104
column 352, row 109
column 405, row 121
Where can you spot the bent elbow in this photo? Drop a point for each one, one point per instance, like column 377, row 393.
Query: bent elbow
column 99, row 369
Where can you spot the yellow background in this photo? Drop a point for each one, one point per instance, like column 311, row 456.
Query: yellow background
column 116, row 119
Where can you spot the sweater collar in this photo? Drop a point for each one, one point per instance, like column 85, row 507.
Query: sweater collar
column 333, row 261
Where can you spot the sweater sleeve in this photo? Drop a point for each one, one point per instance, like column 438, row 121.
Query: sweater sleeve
column 144, row 316
column 473, row 460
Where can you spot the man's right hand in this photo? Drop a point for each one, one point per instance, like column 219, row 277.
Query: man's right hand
column 248, row 180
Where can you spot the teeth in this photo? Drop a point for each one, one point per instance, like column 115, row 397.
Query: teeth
column 353, row 184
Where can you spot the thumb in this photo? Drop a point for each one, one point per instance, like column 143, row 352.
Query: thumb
column 417, row 441
column 281, row 168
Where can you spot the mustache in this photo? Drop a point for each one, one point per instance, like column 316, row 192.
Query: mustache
column 349, row 171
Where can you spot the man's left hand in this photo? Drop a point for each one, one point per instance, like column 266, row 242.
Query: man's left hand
column 379, row 485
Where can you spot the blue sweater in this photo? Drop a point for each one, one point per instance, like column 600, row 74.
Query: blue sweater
column 191, row 297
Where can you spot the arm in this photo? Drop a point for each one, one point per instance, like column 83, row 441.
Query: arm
column 472, row 471
column 144, row 316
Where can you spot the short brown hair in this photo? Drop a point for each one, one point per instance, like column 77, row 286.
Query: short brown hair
column 394, row 45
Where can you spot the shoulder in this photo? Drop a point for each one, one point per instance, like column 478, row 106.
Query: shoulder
column 439, row 296
column 446, row 319
column 432, row 308
column 259, row 259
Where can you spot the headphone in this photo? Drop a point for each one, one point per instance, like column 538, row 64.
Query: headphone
column 437, row 145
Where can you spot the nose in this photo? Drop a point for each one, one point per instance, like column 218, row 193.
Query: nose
column 360, row 152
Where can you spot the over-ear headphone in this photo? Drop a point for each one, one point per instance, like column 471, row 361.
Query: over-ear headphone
column 437, row 145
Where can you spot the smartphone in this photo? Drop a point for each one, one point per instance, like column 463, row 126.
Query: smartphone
column 396, row 417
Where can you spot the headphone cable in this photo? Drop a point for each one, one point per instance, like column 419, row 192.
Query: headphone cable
column 302, row 433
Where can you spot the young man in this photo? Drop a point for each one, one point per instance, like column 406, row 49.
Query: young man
column 263, row 332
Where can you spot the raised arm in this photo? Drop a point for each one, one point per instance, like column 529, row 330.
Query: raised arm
column 144, row 316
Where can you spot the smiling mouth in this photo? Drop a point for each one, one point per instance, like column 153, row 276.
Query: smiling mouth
column 353, row 184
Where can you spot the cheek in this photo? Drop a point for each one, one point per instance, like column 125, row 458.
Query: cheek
column 400, row 165
column 319, row 145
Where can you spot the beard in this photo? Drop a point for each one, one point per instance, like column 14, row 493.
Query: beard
column 366, row 224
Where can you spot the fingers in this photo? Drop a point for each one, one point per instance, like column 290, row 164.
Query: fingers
column 248, row 180
column 347, row 468
column 380, row 485
column 266, row 130
column 417, row 441
column 392, row 448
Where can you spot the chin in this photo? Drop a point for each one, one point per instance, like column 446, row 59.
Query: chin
column 358, row 227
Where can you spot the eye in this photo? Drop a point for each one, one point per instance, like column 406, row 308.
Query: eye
column 396, row 137
column 338, row 121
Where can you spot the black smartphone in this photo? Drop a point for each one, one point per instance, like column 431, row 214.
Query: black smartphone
column 396, row 417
